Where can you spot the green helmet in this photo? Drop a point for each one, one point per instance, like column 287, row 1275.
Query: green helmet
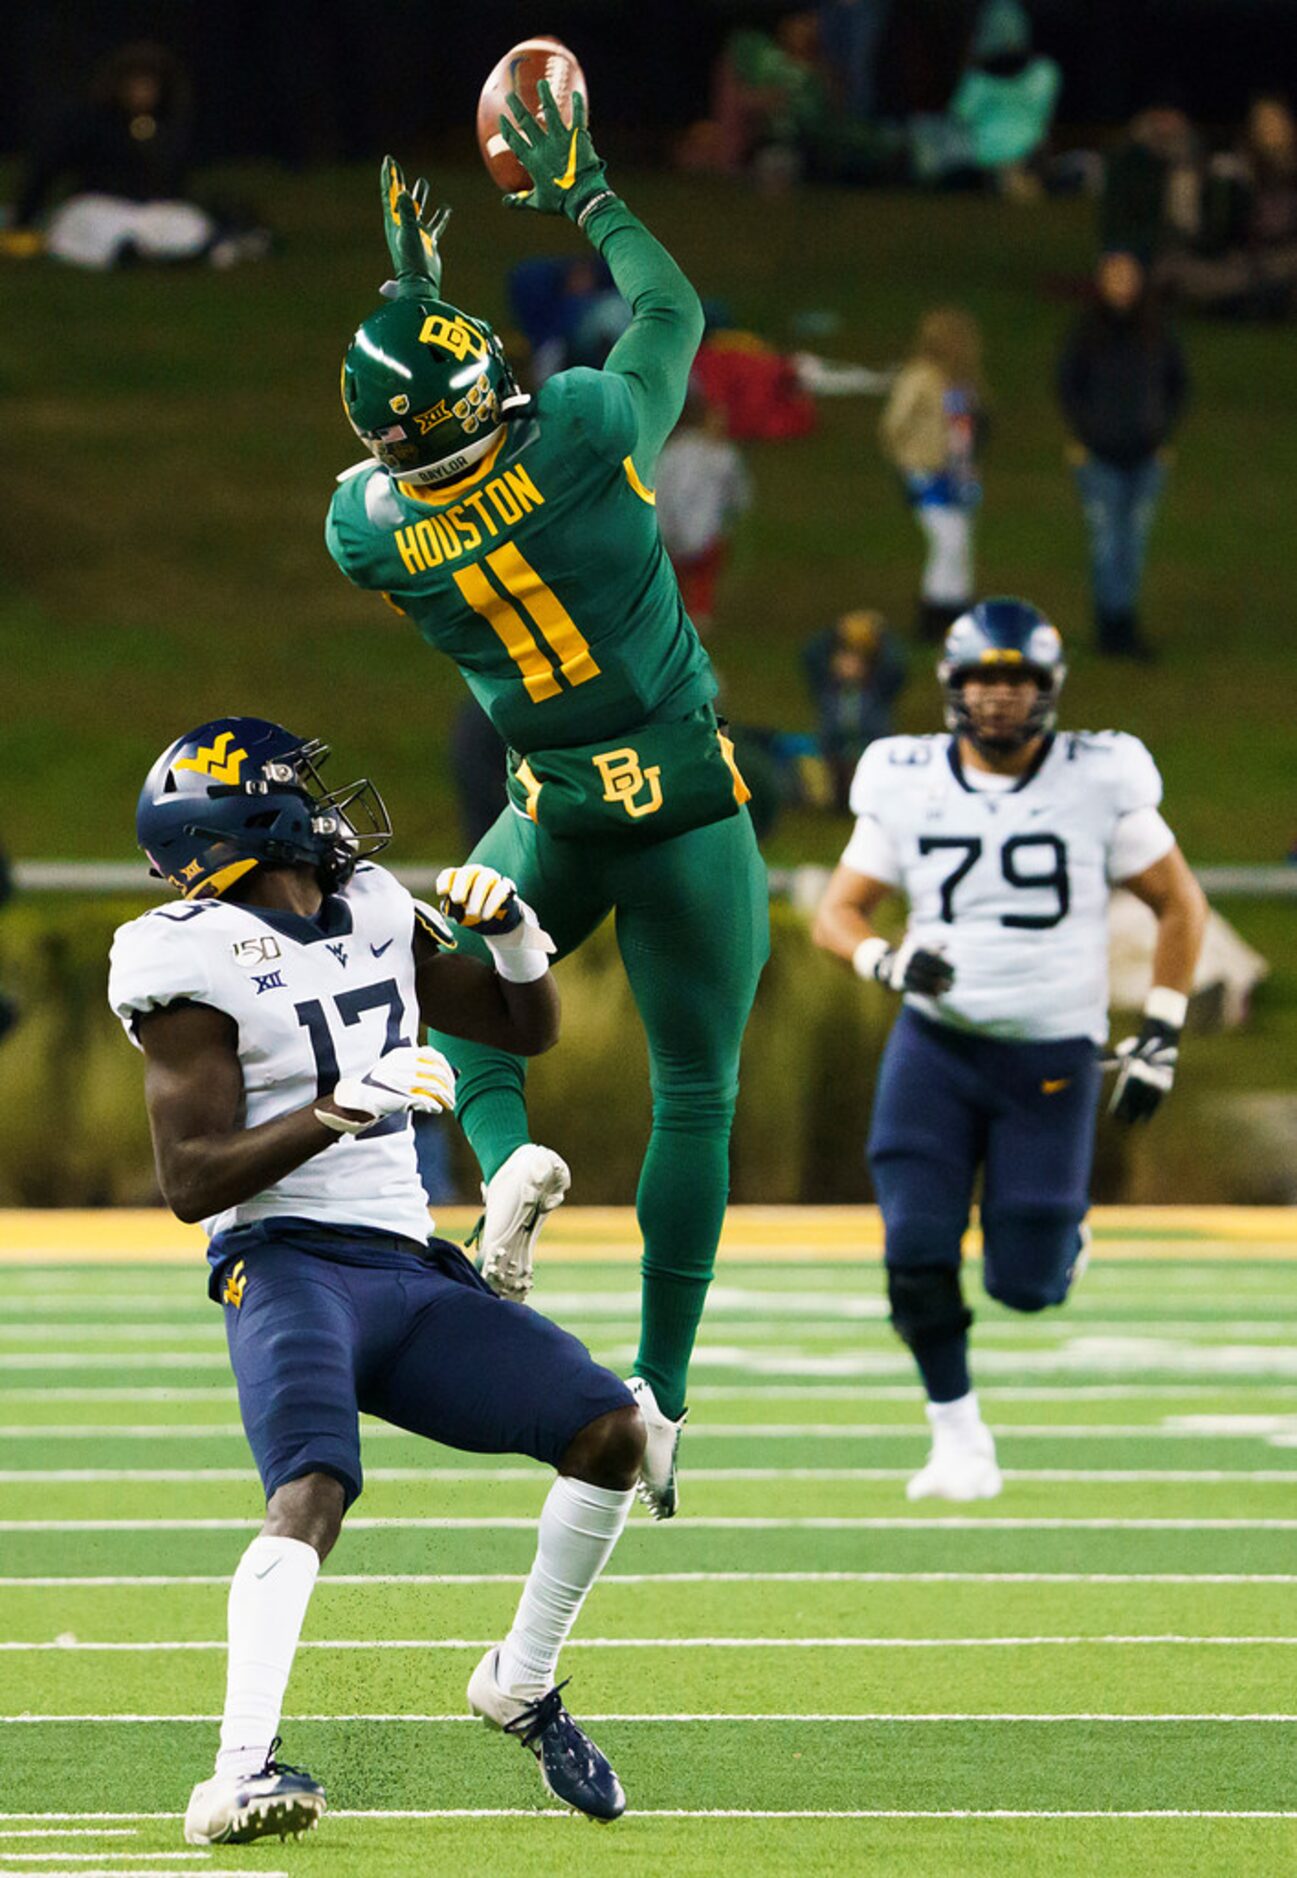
column 426, row 388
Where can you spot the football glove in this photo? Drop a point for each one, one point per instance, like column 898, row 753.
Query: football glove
column 413, row 230
column 560, row 158
column 488, row 903
column 907, row 967
column 412, row 1076
column 1145, row 1068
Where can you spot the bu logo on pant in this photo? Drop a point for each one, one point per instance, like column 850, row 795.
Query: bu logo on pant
column 623, row 779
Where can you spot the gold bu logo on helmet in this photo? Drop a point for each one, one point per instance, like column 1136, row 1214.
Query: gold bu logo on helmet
column 455, row 336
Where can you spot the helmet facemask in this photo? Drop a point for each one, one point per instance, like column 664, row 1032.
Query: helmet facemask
column 1037, row 722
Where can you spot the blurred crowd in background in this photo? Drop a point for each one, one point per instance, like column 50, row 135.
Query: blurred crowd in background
column 1184, row 220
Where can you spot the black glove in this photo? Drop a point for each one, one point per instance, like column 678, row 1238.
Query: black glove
column 1145, row 1068
column 907, row 967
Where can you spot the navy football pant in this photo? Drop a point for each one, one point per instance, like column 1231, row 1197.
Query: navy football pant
column 421, row 1343
column 948, row 1106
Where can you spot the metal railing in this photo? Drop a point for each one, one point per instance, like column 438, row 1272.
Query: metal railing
column 802, row 885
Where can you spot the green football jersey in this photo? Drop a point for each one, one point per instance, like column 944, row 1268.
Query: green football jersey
column 542, row 574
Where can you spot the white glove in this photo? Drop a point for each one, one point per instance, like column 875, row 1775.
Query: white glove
column 907, row 967
column 487, row 903
column 412, row 1076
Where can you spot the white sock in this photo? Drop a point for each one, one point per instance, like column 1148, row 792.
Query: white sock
column 268, row 1598
column 958, row 1417
column 579, row 1526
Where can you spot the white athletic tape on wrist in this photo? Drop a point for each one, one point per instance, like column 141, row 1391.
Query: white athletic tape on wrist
column 867, row 957
column 1165, row 1006
column 517, row 965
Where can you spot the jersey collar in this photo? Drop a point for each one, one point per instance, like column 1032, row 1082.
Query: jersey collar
column 437, row 495
column 333, row 921
column 1028, row 775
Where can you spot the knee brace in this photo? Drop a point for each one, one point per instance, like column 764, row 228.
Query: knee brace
column 1027, row 1258
column 927, row 1304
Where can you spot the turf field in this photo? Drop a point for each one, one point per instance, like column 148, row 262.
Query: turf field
column 803, row 1673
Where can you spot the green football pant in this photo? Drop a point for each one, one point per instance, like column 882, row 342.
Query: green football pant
column 692, row 922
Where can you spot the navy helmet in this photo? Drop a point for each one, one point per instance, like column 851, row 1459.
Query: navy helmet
column 239, row 793
column 1011, row 635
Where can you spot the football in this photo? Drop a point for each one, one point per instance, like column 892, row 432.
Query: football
column 521, row 70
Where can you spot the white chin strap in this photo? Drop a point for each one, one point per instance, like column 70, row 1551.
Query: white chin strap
column 450, row 467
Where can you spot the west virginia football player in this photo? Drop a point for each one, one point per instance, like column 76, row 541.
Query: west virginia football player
column 277, row 1010
column 1005, row 837
column 518, row 535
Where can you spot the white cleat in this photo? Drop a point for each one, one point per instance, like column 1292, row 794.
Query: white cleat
column 232, row 1809
column 657, row 1486
column 530, row 1184
column 961, row 1466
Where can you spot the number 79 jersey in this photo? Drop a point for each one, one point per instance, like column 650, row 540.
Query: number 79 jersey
column 313, row 1000
column 1011, row 882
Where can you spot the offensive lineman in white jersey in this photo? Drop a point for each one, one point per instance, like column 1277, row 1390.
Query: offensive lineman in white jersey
column 277, row 1010
column 1006, row 839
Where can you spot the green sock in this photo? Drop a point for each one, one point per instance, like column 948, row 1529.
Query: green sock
column 490, row 1099
column 681, row 1207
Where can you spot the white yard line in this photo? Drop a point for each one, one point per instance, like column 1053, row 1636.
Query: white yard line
column 510, row 1523
column 734, row 1392
column 536, row 1472
column 891, row 1718
column 738, row 1812
column 114, row 1392
column 366, row 1579
column 1196, row 1428
column 118, row 1360
column 171, row 1646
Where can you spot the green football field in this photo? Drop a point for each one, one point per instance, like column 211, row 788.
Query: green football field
column 803, row 1673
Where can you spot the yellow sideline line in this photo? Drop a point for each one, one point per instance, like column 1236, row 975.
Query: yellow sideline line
column 774, row 1234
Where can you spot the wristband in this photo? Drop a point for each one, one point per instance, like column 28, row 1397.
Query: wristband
column 868, row 956
column 343, row 1124
column 518, row 965
column 597, row 201
column 1167, row 1007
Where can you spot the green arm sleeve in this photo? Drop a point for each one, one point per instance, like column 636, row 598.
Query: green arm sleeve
column 655, row 352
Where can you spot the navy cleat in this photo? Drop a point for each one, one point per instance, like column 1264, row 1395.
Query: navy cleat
column 571, row 1766
column 233, row 1809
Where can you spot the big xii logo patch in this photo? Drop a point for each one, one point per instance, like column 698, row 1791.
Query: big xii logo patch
column 623, row 779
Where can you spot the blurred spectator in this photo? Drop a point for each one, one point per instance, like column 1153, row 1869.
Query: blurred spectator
column 931, row 430
column 855, row 669
column 569, row 311
column 1152, row 203
column 702, row 489
column 1001, row 111
column 477, row 760
column 770, row 94
column 1122, row 383
column 849, row 35
column 1248, row 267
column 125, row 153
column 758, row 389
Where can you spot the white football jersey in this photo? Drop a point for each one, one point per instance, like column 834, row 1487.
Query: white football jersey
column 313, row 1001
column 1010, row 877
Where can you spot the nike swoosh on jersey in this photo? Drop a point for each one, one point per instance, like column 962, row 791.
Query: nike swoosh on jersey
column 1053, row 1087
column 378, row 951
column 268, row 1570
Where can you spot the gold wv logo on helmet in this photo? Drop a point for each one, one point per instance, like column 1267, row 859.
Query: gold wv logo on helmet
column 216, row 760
